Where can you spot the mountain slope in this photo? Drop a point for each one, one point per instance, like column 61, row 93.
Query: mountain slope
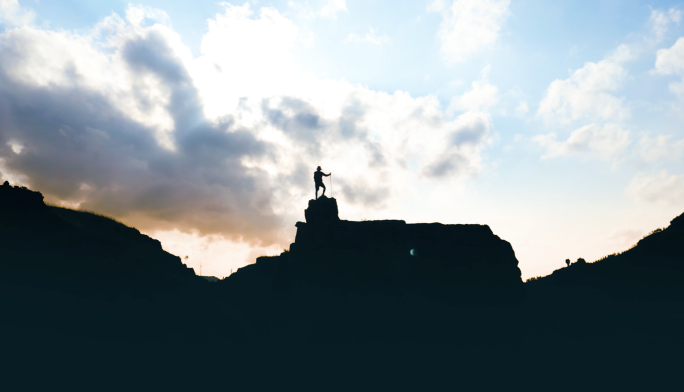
column 655, row 264
column 80, row 249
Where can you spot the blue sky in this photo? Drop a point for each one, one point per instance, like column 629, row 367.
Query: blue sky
column 556, row 123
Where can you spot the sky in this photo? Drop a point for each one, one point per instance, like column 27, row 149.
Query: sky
column 558, row 124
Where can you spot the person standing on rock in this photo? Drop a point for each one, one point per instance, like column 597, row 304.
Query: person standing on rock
column 318, row 179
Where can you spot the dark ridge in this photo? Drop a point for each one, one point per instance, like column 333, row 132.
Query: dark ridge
column 654, row 267
column 20, row 200
column 377, row 305
column 78, row 250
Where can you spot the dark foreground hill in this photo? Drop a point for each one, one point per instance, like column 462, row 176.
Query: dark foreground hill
column 86, row 300
column 81, row 249
column 627, row 306
column 638, row 290
column 654, row 267
column 597, row 325
column 365, row 305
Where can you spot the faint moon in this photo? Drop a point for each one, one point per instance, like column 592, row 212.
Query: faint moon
column 414, row 252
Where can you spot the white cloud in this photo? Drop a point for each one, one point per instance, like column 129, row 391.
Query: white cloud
column 370, row 37
column 102, row 112
column 468, row 25
column 137, row 14
column 481, row 97
column 660, row 147
column 244, row 56
column 588, row 92
column 662, row 187
column 332, row 8
column 15, row 146
column 671, row 62
column 14, row 14
column 661, row 21
column 63, row 60
column 604, row 142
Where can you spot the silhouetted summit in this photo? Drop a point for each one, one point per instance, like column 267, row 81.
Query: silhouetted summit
column 80, row 249
column 321, row 210
column 453, row 263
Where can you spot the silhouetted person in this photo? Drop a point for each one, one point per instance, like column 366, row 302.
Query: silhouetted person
column 567, row 261
column 318, row 179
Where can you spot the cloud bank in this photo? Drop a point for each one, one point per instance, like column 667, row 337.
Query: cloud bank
column 125, row 121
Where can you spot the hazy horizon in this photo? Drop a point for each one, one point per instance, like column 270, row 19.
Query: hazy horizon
column 558, row 124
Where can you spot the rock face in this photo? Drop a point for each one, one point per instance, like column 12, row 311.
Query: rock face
column 322, row 210
column 462, row 263
column 19, row 199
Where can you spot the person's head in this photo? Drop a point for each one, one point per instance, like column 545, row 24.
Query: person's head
column 318, row 168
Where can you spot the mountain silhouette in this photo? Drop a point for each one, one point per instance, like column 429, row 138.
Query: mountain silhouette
column 457, row 263
column 458, row 286
column 378, row 304
column 85, row 298
column 653, row 267
column 82, row 249
column 339, row 273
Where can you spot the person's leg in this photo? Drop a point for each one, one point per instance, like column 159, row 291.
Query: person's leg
column 316, row 191
column 323, row 186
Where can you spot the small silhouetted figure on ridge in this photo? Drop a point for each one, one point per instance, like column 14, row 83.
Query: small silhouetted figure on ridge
column 567, row 261
column 318, row 179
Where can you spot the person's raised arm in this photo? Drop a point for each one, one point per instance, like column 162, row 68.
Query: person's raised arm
column 327, row 175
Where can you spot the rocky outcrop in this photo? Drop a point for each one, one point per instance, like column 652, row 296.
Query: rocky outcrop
column 19, row 199
column 321, row 210
column 462, row 263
